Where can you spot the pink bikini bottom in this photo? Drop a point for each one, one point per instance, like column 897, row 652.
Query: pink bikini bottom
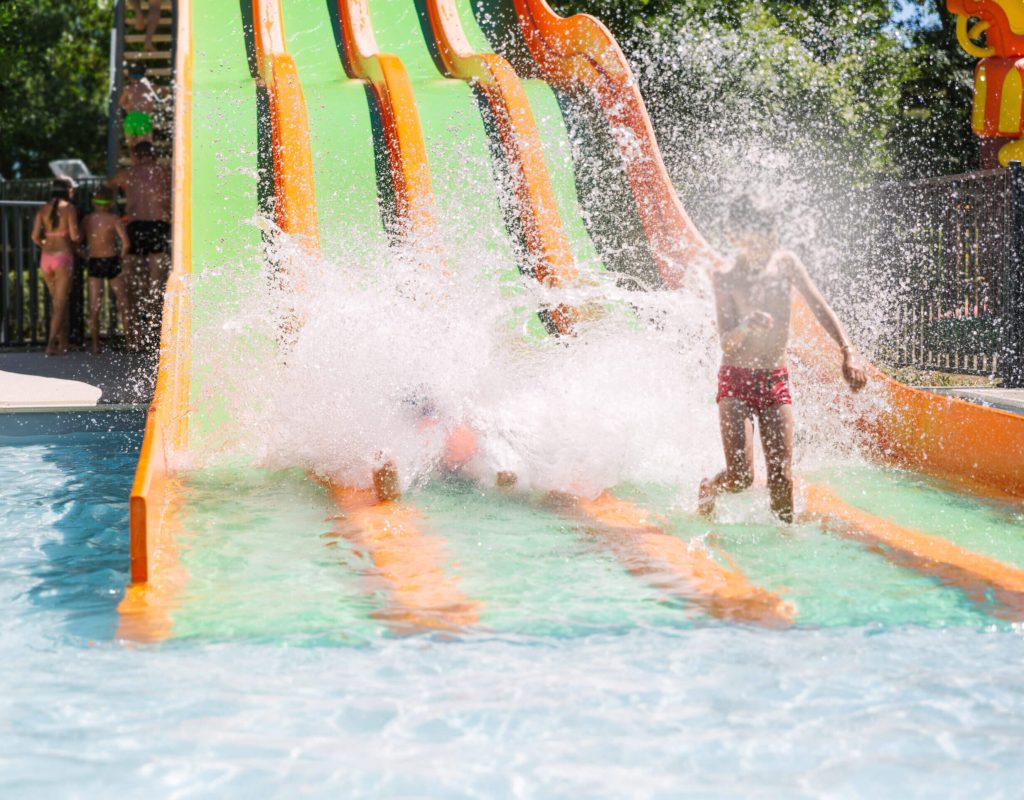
column 49, row 263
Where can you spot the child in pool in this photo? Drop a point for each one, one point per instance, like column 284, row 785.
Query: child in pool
column 104, row 231
column 752, row 301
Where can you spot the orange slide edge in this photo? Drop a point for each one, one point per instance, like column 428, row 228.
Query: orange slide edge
column 166, row 430
column 978, row 575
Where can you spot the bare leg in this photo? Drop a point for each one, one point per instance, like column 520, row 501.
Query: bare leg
column 776, row 425
column 385, row 482
column 138, row 19
column 152, row 22
column 737, row 429
column 136, row 282
column 159, row 266
column 59, row 319
column 117, row 286
column 95, row 296
column 50, row 279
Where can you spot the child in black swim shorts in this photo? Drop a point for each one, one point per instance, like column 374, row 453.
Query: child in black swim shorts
column 103, row 232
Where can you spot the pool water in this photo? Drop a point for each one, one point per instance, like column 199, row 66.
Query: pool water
column 283, row 679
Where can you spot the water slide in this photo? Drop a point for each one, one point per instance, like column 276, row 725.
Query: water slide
column 387, row 116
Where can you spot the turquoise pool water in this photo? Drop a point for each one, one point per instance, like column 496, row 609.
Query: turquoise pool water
column 582, row 682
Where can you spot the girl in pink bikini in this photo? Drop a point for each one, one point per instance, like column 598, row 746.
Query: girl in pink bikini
column 55, row 231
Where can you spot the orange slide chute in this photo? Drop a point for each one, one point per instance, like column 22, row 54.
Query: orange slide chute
column 675, row 566
column 294, row 207
column 981, row 448
column 578, row 55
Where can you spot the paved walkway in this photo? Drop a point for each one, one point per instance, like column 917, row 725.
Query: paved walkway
column 76, row 380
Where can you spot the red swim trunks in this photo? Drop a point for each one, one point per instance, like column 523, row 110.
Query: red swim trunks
column 758, row 388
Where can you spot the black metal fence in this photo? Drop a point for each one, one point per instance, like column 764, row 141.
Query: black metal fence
column 950, row 251
column 24, row 301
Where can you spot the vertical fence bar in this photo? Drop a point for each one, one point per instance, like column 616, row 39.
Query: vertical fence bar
column 116, row 82
column 6, row 324
column 1012, row 351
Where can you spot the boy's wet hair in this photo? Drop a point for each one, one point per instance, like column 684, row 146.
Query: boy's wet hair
column 142, row 150
column 136, row 68
column 103, row 195
column 746, row 216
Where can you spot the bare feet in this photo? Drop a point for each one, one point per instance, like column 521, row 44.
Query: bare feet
column 706, row 498
column 385, row 483
column 506, row 479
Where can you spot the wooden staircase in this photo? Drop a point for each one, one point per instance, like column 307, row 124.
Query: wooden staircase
column 159, row 70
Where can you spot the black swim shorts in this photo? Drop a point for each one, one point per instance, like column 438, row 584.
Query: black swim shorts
column 105, row 268
column 149, row 236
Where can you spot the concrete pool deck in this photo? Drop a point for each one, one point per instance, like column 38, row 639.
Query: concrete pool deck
column 78, row 380
column 1011, row 400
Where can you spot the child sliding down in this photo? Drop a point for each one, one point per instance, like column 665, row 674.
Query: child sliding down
column 752, row 301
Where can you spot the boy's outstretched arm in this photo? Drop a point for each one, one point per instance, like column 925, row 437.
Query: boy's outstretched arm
column 853, row 367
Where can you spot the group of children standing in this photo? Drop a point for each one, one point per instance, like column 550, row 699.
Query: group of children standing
column 140, row 241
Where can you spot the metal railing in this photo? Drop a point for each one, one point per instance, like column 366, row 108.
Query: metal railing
column 951, row 252
column 24, row 300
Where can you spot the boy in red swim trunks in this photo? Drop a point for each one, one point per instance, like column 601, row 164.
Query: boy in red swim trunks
column 752, row 300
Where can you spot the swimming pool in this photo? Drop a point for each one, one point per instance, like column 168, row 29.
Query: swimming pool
column 283, row 681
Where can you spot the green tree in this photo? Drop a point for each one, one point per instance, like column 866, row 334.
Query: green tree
column 53, row 91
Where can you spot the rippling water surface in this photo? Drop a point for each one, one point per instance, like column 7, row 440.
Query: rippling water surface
column 283, row 682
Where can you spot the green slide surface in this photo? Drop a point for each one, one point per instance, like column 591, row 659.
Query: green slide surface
column 341, row 134
column 225, row 175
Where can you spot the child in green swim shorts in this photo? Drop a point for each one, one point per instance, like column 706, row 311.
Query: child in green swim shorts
column 139, row 99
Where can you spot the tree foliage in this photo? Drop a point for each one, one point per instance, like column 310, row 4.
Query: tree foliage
column 53, row 83
column 841, row 85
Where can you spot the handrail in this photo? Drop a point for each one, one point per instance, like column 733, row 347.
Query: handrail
column 545, row 240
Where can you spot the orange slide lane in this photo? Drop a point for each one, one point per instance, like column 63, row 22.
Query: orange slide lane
column 422, row 596
column 156, row 575
column 978, row 447
column 982, row 578
column 674, row 565
column 577, row 54
column 546, row 242
column 406, row 151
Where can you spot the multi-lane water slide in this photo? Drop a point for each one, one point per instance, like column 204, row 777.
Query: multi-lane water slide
column 381, row 115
